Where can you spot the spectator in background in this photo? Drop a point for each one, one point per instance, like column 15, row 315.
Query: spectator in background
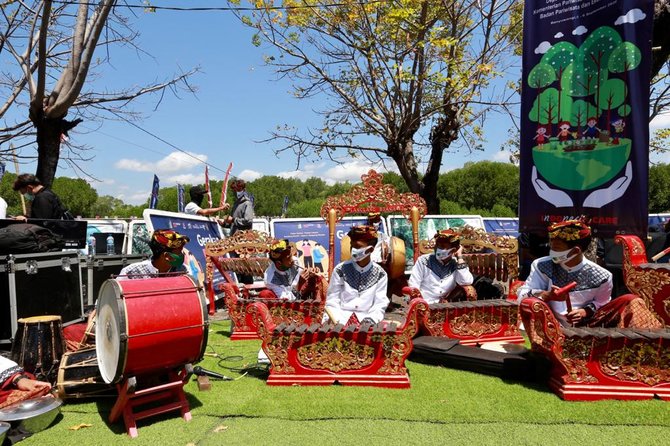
column 44, row 203
column 167, row 256
column 197, row 194
column 242, row 214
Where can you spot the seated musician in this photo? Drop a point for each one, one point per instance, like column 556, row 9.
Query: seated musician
column 167, row 256
column 357, row 289
column 590, row 300
column 16, row 385
column 436, row 275
column 282, row 276
column 382, row 248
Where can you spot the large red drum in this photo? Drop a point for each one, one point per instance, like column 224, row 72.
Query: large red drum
column 149, row 325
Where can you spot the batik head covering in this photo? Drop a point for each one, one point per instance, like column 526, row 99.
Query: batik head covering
column 363, row 232
column 449, row 235
column 570, row 230
column 280, row 249
column 169, row 239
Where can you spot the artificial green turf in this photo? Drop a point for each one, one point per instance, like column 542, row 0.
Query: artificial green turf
column 443, row 406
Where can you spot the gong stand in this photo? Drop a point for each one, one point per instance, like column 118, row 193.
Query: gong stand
column 148, row 395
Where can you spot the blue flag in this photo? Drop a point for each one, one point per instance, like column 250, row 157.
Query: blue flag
column 180, row 197
column 284, row 207
column 154, row 193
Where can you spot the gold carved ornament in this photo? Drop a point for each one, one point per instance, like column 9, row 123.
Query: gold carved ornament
column 280, row 313
column 576, row 353
column 476, row 323
column 276, row 346
column 235, row 308
column 249, row 243
column 397, row 346
column 434, row 321
column 373, row 196
column 336, row 354
column 643, row 362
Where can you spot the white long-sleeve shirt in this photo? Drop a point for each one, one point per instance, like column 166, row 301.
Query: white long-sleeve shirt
column 360, row 290
column 436, row 279
column 282, row 283
column 593, row 290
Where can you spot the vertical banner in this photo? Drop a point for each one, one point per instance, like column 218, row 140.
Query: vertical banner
column 2, row 170
column 207, row 188
column 284, row 207
column 154, row 193
column 584, row 114
column 224, row 187
column 180, row 197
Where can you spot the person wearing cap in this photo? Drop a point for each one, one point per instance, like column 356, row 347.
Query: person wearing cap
column 437, row 274
column 242, row 213
column 382, row 248
column 282, row 276
column 167, row 256
column 197, row 194
column 16, row 385
column 590, row 300
column 357, row 289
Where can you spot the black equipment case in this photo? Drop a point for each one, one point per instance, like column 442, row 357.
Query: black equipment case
column 39, row 284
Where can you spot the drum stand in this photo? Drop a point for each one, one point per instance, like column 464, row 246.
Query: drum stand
column 166, row 396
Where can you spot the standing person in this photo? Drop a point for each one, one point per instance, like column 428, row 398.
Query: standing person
column 318, row 253
column 44, row 203
column 381, row 253
column 306, row 249
column 167, row 256
column 436, row 275
column 197, row 194
column 357, row 290
column 16, row 385
column 590, row 300
column 242, row 214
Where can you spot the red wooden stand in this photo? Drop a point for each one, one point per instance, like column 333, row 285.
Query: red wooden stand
column 164, row 397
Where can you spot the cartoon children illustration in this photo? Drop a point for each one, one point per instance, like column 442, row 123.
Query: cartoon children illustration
column 591, row 130
column 542, row 136
column 619, row 126
column 564, row 131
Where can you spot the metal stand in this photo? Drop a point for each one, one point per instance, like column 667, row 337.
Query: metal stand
column 164, row 397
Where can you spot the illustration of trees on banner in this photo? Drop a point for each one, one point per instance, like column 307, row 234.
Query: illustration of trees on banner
column 580, row 110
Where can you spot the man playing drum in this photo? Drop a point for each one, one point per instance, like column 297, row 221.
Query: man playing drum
column 167, row 256
column 437, row 274
column 357, row 290
column 589, row 303
column 16, row 385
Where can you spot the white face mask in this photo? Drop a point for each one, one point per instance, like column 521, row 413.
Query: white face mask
column 376, row 225
column 444, row 254
column 359, row 254
column 561, row 257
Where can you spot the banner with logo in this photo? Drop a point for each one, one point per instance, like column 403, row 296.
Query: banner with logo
column 584, row 114
column 154, row 193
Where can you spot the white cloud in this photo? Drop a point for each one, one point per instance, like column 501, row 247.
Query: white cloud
column 543, row 47
column 660, row 121
column 632, row 16
column 174, row 162
column 351, row 171
column 558, row 35
column 579, row 30
column 502, row 156
column 307, row 171
column 185, row 178
column 249, row 175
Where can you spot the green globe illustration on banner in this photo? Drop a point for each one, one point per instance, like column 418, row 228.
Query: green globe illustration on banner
column 580, row 110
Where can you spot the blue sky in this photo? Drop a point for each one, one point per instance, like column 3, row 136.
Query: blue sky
column 238, row 103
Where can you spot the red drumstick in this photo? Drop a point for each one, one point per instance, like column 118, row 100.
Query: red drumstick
column 566, row 290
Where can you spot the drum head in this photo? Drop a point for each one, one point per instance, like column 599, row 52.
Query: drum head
column 38, row 319
column 110, row 325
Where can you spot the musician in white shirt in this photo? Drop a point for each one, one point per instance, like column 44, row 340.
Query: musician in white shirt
column 437, row 274
column 283, row 274
column 357, row 289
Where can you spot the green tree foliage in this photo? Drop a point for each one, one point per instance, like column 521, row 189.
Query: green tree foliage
column 659, row 188
column 481, row 185
column 75, row 194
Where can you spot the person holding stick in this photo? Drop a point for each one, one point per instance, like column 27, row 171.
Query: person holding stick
column 588, row 301
column 357, row 290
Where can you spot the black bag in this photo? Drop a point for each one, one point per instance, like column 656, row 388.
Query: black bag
column 24, row 238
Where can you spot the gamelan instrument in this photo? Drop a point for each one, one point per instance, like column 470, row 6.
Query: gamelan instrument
column 79, row 376
column 145, row 326
column 32, row 415
column 395, row 262
column 39, row 345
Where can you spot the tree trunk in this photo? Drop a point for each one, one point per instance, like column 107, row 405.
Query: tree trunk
column 442, row 135
column 48, row 148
